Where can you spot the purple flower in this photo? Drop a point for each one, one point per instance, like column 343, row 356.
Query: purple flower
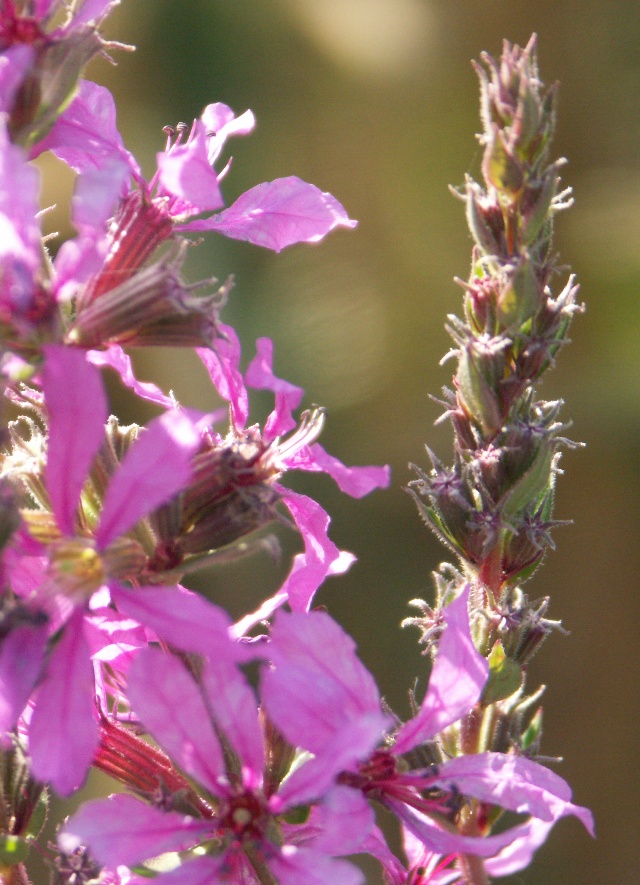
column 315, row 660
column 25, row 305
column 273, row 452
column 46, row 58
column 73, row 577
column 212, row 730
column 274, row 214
column 120, row 296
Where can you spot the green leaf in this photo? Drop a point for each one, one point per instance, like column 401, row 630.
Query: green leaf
column 533, row 732
column 38, row 815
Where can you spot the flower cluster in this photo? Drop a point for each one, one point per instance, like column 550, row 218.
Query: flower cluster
column 272, row 746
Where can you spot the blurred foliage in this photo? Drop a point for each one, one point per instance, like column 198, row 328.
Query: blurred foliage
column 375, row 100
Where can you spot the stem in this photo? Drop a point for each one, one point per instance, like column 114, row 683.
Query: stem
column 14, row 875
column 471, row 866
column 263, row 873
column 473, row 870
column 470, row 731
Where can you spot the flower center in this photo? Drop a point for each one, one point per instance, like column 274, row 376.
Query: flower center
column 76, row 567
column 245, row 817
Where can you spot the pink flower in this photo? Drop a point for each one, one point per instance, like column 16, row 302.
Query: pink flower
column 274, row 214
column 315, row 660
column 275, row 453
column 212, row 730
column 46, row 44
column 120, row 296
column 75, row 576
column 25, row 305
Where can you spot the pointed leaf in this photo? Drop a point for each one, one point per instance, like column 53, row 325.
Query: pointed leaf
column 505, row 676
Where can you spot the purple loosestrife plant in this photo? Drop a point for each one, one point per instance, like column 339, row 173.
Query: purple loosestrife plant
column 274, row 778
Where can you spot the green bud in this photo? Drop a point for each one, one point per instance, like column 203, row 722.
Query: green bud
column 535, row 207
column 500, row 167
column 534, row 483
column 505, row 677
column 484, row 218
column 520, row 296
column 531, row 736
column 51, row 85
column 476, row 392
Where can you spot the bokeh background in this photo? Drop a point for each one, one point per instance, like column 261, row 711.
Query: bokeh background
column 375, row 101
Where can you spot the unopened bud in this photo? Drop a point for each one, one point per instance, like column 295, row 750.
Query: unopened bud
column 152, row 307
column 479, row 368
column 500, row 167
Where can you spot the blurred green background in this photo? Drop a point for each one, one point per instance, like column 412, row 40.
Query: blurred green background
column 375, row 101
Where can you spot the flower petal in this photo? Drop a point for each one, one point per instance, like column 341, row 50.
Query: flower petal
column 518, row 855
column 445, row 842
column 21, row 659
column 352, row 744
column 354, row 481
column 278, row 213
column 115, row 357
column 206, row 870
column 236, row 712
column 514, row 783
column 292, row 866
column 223, row 366
column 321, row 557
column 154, row 469
column 317, row 685
column 187, row 175
column 456, row 681
column 344, row 820
column 77, row 409
column 86, row 136
column 15, row 63
column 63, row 733
column 259, row 375
column 182, row 618
column 124, row 830
column 221, row 123
column 172, row 709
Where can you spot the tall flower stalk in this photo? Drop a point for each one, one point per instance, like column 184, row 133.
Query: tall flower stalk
column 493, row 507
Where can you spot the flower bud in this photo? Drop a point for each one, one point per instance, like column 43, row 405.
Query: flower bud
column 520, row 293
column 152, row 307
column 480, row 365
column 58, row 58
column 500, row 167
column 229, row 497
column 485, row 219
